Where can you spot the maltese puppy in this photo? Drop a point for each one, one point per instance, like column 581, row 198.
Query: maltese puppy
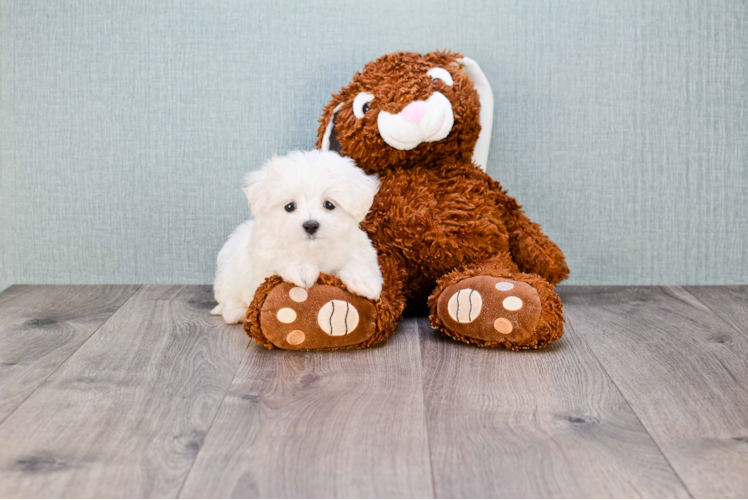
column 307, row 207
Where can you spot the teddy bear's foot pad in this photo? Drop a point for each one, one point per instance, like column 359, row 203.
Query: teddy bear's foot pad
column 490, row 309
column 322, row 317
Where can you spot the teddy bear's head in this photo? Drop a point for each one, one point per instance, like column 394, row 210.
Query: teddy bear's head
column 406, row 108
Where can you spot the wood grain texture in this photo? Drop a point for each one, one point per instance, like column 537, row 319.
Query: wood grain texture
column 326, row 424
column 546, row 423
column 728, row 302
column 127, row 413
column 646, row 395
column 682, row 369
column 40, row 327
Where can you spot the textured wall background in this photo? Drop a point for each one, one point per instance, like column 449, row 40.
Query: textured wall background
column 622, row 126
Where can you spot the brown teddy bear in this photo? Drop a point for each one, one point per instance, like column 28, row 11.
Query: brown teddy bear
column 447, row 234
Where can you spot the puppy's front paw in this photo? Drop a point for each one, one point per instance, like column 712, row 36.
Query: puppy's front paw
column 302, row 275
column 370, row 288
column 233, row 312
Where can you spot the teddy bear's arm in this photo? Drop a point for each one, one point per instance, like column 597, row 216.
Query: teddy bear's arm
column 531, row 250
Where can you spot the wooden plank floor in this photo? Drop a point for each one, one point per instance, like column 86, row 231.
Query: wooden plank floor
column 126, row 391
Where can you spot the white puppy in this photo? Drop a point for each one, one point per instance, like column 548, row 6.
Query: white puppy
column 307, row 207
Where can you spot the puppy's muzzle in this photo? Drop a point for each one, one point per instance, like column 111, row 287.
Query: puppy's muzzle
column 310, row 226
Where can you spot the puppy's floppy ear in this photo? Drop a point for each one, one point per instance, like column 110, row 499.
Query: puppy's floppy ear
column 356, row 194
column 255, row 189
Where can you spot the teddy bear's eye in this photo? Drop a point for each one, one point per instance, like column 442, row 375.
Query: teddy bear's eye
column 328, row 205
column 440, row 75
column 361, row 104
column 290, row 207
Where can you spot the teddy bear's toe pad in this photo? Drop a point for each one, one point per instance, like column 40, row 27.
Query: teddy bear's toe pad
column 323, row 317
column 492, row 309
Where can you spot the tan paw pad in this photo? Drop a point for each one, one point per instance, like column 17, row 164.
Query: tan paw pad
column 503, row 326
column 286, row 315
column 465, row 305
column 338, row 317
column 298, row 294
column 296, row 337
column 512, row 303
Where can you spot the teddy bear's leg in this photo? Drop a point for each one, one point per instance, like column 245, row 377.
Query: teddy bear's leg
column 494, row 304
column 532, row 250
column 326, row 316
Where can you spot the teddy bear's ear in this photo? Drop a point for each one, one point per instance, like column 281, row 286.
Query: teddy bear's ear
column 330, row 139
column 480, row 82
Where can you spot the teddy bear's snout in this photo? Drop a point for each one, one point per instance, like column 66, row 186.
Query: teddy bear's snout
column 414, row 112
column 420, row 121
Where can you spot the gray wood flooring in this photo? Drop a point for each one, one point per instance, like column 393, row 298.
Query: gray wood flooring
column 128, row 391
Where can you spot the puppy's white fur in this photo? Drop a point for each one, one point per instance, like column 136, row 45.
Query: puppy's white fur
column 276, row 243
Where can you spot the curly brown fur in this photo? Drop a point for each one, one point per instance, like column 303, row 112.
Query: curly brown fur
column 436, row 211
column 531, row 249
column 252, row 320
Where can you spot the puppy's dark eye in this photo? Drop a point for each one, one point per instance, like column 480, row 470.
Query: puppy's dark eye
column 437, row 79
column 290, row 207
column 365, row 107
column 329, row 205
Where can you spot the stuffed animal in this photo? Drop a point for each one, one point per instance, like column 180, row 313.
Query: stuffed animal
column 447, row 235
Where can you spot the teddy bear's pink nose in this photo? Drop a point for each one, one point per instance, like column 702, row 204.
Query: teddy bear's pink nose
column 414, row 112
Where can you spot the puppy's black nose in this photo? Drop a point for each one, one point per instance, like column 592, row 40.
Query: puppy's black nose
column 310, row 226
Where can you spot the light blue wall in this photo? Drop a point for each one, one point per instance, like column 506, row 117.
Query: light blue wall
column 622, row 126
